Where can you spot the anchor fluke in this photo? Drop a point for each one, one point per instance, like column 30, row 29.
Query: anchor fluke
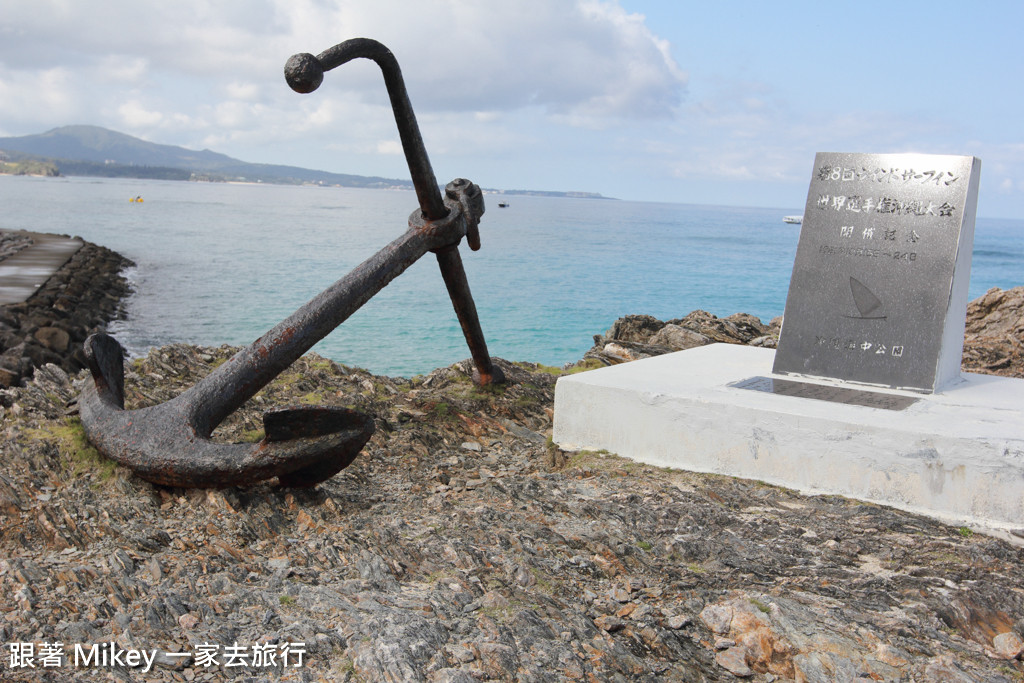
column 164, row 444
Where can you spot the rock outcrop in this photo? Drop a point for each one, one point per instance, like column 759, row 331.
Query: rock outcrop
column 461, row 546
column 50, row 326
column 641, row 336
column 993, row 339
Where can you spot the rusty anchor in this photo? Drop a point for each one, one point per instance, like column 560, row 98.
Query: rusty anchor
column 170, row 443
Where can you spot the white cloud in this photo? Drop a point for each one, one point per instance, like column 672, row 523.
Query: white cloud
column 214, row 70
column 188, row 35
column 42, row 98
column 135, row 115
column 569, row 56
column 389, row 147
column 238, row 90
column 517, row 89
column 121, row 70
column 748, row 130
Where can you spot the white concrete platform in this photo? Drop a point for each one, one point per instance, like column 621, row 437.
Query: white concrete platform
column 956, row 456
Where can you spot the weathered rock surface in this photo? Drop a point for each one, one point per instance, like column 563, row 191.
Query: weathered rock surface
column 460, row 547
column 642, row 336
column 50, row 326
column 993, row 338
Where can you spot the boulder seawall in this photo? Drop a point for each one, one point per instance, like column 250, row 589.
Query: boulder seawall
column 80, row 298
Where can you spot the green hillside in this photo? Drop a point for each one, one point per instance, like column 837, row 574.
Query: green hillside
column 95, row 151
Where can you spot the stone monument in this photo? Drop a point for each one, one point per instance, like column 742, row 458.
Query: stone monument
column 864, row 396
column 879, row 287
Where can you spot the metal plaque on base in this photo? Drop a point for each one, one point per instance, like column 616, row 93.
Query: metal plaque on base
column 821, row 392
column 879, row 288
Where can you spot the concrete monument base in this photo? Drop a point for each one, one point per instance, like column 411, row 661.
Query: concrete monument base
column 957, row 456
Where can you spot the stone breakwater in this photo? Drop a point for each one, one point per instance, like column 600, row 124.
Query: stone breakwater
column 13, row 242
column 49, row 327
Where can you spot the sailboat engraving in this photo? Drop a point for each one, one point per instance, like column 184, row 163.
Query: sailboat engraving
column 865, row 300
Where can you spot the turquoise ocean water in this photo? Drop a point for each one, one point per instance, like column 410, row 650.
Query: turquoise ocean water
column 219, row 263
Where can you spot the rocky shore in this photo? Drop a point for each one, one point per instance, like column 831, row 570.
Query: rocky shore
column 50, row 326
column 993, row 338
column 462, row 546
column 634, row 337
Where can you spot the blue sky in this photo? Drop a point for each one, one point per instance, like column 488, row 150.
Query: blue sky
column 695, row 102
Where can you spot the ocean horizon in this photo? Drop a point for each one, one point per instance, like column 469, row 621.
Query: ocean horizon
column 220, row 263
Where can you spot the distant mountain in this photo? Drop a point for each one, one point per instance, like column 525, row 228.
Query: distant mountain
column 95, row 151
column 92, row 143
column 91, row 150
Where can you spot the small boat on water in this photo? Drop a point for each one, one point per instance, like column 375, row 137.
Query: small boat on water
column 136, row 199
column 503, row 205
column 793, row 219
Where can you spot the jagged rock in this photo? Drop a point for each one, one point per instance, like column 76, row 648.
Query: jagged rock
column 634, row 328
column 13, row 242
column 9, row 377
column 994, row 337
column 53, row 338
column 718, row 618
column 678, row 338
column 634, row 337
column 999, row 313
column 733, row 660
column 1008, row 645
column 993, row 342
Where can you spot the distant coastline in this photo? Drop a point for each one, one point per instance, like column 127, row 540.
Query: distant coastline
column 91, row 151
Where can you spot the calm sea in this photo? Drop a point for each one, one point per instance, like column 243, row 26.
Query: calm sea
column 224, row 263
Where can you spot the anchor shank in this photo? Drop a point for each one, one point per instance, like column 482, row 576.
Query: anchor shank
column 236, row 381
